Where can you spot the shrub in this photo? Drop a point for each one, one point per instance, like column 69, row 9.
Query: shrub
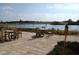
column 71, row 48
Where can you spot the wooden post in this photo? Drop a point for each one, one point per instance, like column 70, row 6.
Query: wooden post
column 65, row 33
column 1, row 35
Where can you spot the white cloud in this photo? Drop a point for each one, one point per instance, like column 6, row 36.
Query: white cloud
column 49, row 6
column 49, row 16
column 7, row 10
column 67, row 6
column 7, row 13
column 59, row 12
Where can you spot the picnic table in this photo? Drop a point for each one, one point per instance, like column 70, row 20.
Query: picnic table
column 8, row 32
column 9, row 35
column 41, row 32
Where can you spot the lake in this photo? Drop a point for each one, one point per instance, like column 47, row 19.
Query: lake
column 47, row 26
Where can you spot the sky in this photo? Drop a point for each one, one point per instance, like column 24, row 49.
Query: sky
column 39, row 11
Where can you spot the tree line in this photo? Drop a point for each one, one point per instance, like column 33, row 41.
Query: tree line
column 69, row 21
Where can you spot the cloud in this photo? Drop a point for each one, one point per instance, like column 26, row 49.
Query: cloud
column 49, row 6
column 50, row 12
column 7, row 10
column 49, row 16
column 64, row 8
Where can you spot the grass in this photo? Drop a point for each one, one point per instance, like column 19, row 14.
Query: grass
column 27, row 29
column 58, row 32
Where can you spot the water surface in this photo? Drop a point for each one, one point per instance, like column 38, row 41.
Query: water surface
column 47, row 26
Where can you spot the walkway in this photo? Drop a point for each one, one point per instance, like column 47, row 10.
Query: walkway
column 32, row 46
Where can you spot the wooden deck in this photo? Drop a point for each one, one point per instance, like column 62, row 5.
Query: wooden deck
column 32, row 46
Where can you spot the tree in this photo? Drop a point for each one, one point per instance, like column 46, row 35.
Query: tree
column 1, row 21
column 78, row 21
column 70, row 22
column 20, row 20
